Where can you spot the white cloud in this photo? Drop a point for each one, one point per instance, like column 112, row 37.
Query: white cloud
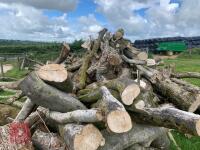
column 61, row 5
column 24, row 22
column 161, row 18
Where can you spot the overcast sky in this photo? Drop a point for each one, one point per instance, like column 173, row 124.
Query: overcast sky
column 66, row 20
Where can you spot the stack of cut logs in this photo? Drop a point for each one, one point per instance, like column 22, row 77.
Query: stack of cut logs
column 114, row 98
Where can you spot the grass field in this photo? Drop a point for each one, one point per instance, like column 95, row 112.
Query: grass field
column 186, row 63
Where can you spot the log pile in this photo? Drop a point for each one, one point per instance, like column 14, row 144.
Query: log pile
column 111, row 99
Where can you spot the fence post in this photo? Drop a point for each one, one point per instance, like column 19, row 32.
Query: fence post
column 2, row 72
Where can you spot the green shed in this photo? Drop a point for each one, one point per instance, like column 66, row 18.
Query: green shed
column 172, row 46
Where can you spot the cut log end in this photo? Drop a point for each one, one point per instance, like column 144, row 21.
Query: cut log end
column 142, row 56
column 119, row 121
column 90, row 138
column 52, row 73
column 130, row 93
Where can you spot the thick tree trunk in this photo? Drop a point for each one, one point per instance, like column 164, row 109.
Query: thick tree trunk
column 177, row 95
column 56, row 75
column 47, row 96
column 169, row 117
column 187, row 86
column 117, row 119
column 15, row 136
column 47, row 141
column 139, row 134
column 186, row 75
column 25, row 111
column 81, row 137
column 77, row 116
column 63, row 54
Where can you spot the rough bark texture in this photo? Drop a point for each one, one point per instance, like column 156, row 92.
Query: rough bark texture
column 186, row 75
column 77, row 116
column 169, row 117
column 63, row 54
column 15, row 136
column 81, row 137
column 140, row 134
column 25, row 111
column 47, row 141
column 47, row 96
column 181, row 98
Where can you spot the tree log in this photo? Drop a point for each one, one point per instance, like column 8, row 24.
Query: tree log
column 47, row 96
column 169, row 117
column 186, row 75
column 63, row 54
column 81, row 137
column 127, row 88
column 47, row 141
column 133, row 61
column 15, row 136
column 177, row 95
column 93, row 95
column 139, row 134
column 187, row 86
column 77, row 116
column 117, row 119
column 25, row 111
column 56, row 75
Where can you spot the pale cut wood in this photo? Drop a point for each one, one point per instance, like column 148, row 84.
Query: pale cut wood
column 47, row 96
column 127, row 88
column 57, row 76
column 81, row 137
column 117, row 118
column 133, row 61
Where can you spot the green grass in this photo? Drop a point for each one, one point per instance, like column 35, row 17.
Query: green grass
column 184, row 142
column 186, row 63
column 5, row 93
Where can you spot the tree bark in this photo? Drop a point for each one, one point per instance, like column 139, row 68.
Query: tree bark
column 133, row 61
column 169, row 117
column 77, row 116
column 177, row 95
column 63, row 54
column 93, row 95
column 187, row 86
column 81, row 137
column 139, row 134
column 57, row 76
column 186, row 75
column 15, row 136
column 25, row 111
column 45, row 95
column 47, row 141
column 117, row 119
